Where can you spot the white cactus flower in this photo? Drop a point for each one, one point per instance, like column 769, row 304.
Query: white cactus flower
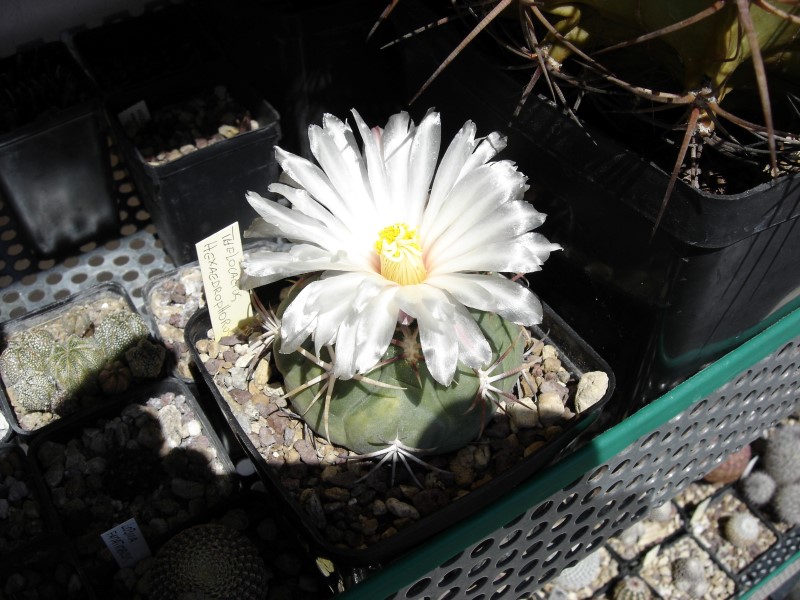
column 396, row 239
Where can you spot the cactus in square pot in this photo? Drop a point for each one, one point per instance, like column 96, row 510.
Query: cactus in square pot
column 401, row 335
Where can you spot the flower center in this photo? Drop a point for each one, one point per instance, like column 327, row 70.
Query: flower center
column 401, row 255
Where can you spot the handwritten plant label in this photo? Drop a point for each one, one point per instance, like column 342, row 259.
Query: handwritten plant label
column 220, row 256
column 134, row 116
column 126, row 543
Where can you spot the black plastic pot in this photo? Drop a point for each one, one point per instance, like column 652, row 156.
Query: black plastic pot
column 200, row 193
column 95, row 302
column 719, row 269
column 55, row 171
column 138, row 477
column 577, row 357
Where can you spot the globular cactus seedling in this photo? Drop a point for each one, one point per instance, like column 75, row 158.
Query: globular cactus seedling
column 758, row 488
column 689, row 576
column 631, row 588
column 75, row 363
column 741, row 529
column 37, row 392
column 731, row 468
column 146, row 359
column 786, row 503
column 27, row 353
column 580, row 575
column 120, row 331
column 114, row 377
column 210, row 561
column 397, row 403
column 781, row 457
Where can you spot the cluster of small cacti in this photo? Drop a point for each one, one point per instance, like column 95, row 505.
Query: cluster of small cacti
column 208, row 561
column 777, row 482
column 42, row 373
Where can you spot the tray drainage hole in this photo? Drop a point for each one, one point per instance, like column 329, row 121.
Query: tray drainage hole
column 591, row 495
column 541, row 510
column 79, row 278
column 579, row 534
column 567, row 502
column 8, row 235
column 607, row 508
column 11, row 297
column 22, row 264
column 36, row 296
column 146, row 259
column 133, row 202
column 481, row 548
column 598, row 474
column 547, row 576
column 130, row 276
column 561, row 522
column 523, row 585
column 536, row 530
column 698, row 408
column 450, row 594
column 533, row 550
column 556, row 541
column 14, row 249
column 121, row 260
column 585, row 515
column 17, row 312
column 104, row 276
column 599, row 526
column 95, row 261
column 506, row 558
column 61, row 294
column 510, row 539
column 501, row 577
column 418, row 587
column 53, row 278
column 477, row 585
column 649, row 441
column 449, row 578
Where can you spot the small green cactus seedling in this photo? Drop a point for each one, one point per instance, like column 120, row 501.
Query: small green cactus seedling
column 741, row 529
column 119, row 332
column 631, row 588
column 208, row 561
column 398, row 403
column 75, row 363
column 146, row 359
column 37, row 392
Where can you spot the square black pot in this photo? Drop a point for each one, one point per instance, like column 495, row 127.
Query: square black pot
column 55, row 170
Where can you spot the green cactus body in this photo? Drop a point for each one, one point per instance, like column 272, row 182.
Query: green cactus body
column 36, row 392
column 423, row 414
column 26, row 354
column 146, row 359
column 119, row 332
column 75, row 363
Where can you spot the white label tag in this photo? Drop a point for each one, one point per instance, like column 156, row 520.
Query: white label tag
column 220, row 256
column 134, row 116
column 126, row 543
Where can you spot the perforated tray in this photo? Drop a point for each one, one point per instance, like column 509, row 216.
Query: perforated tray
column 566, row 512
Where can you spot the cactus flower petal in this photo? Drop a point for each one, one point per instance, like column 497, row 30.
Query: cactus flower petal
column 396, row 237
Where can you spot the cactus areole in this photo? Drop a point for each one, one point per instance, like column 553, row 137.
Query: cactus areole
column 406, row 330
column 418, row 412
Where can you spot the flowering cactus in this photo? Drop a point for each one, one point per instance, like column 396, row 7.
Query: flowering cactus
column 410, row 323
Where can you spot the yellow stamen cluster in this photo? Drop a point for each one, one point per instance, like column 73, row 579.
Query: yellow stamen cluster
column 401, row 254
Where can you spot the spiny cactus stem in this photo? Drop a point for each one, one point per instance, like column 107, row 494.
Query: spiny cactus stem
column 329, row 384
column 397, row 450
